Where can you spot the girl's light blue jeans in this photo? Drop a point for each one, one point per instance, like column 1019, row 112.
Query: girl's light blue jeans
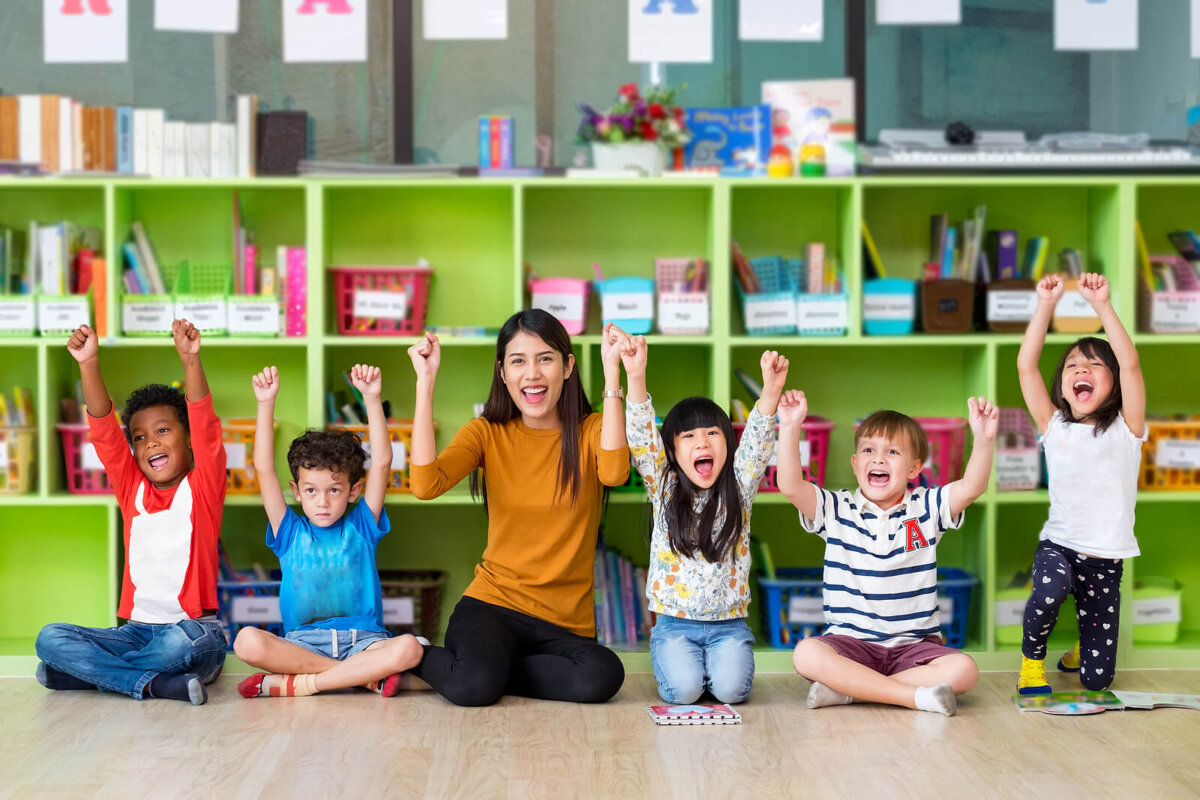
column 690, row 657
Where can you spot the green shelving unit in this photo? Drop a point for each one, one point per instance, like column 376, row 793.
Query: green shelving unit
column 60, row 554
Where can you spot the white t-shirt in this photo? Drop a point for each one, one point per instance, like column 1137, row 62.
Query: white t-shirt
column 1093, row 486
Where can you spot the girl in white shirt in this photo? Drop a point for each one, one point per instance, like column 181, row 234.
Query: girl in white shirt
column 1092, row 424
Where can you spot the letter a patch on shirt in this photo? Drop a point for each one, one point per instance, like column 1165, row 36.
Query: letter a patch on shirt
column 916, row 539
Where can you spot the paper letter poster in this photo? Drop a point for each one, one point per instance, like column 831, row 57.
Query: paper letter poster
column 670, row 31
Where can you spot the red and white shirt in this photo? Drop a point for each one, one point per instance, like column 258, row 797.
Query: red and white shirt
column 170, row 534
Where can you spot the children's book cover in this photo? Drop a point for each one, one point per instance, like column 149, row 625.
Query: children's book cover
column 1068, row 703
column 1148, row 700
column 728, row 137
column 695, row 714
column 815, row 112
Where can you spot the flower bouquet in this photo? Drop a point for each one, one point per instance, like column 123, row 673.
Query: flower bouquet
column 637, row 131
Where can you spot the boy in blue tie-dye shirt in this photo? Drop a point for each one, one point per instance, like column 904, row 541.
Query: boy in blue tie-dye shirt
column 329, row 597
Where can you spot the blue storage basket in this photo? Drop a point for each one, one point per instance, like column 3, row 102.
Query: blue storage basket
column 777, row 286
column 797, row 269
column 228, row 590
column 895, row 287
column 954, row 585
column 629, row 286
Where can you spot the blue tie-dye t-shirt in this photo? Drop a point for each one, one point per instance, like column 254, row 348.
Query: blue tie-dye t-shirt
column 329, row 576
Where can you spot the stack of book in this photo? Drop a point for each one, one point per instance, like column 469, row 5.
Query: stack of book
column 18, row 411
column 623, row 617
column 66, row 137
column 57, row 258
column 979, row 255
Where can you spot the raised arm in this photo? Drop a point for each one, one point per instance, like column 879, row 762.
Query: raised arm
column 266, row 387
column 774, row 373
column 187, row 342
column 1033, row 386
column 984, row 419
column 369, row 381
column 84, row 347
column 613, row 341
column 426, row 357
column 793, row 408
column 1094, row 289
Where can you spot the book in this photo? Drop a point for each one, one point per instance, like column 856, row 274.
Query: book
column 148, row 259
column 1186, row 243
column 947, row 259
column 49, row 131
column 198, row 155
column 76, row 135
column 66, row 134
column 485, row 142
column 728, row 137
column 1068, row 703
column 752, row 386
column 296, row 312
column 29, row 132
column 100, row 295
column 815, row 112
column 1002, row 253
column 695, row 714
column 135, row 279
column 1143, row 255
column 247, row 135
column 108, row 138
column 141, row 149
column 871, row 259
column 1151, row 700
column 250, row 270
column 10, row 129
column 815, row 260
column 493, row 141
column 124, row 143
column 506, row 142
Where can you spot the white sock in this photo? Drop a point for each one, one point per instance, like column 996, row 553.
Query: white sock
column 820, row 695
column 938, row 698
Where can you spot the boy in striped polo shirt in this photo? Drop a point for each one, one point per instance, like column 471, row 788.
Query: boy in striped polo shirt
column 882, row 640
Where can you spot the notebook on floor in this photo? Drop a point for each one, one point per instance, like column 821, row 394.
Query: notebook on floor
column 695, row 714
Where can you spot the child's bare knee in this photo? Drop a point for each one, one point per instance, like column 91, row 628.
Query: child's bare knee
column 248, row 645
column 807, row 656
column 964, row 672
column 406, row 652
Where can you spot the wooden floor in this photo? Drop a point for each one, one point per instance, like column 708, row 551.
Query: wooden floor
column 358, row 745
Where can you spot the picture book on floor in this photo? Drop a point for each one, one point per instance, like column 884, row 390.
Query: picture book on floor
column 1073, row 703
column 695, row 714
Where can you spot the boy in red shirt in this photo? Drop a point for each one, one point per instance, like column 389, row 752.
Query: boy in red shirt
column 171, row 491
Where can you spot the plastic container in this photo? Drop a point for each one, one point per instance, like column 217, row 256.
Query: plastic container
column 1010, row 304
column 400, row 433
column 1010, row 615
column 1073, row 314
column 793, row 606
column 1170, row 312
column 947, row 306
column 18, row 455
column 814, row 452
column 412, row 603
column 1171, row 455
column 238, row 435
column 889, row 306
column 381, row 301
column 1018, row 457
column 201, row 296
column 565, row 298
column 85, row 474
column 18, row 314
column 771, row 312
column 628, row 303
column 681, row 312
column 1157, row 610
column 947, row 437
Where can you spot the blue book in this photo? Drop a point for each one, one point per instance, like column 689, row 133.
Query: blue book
column 125, row 139
column 485, row 142
column 728, row 137
column 135, row 264
column 948, row 255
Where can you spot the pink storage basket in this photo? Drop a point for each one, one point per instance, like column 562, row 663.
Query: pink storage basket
column 565, row 298
column 85, row 473
column 1018, row 457
column 816, row 433
column 674, row 303
column 947, row 437
column 381, row 301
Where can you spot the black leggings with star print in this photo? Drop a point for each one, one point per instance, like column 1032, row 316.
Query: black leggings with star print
column 1096, row 585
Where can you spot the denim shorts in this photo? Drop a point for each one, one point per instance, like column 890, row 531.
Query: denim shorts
column 336, row 644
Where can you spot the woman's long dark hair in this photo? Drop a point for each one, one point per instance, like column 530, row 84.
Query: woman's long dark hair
column 1106, row 413
column 687, row 532
column 573, row 406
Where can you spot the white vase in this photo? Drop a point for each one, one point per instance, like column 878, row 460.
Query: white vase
column 646, row 157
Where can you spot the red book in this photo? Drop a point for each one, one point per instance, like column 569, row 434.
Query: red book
column 494, row 140
column 83, row 271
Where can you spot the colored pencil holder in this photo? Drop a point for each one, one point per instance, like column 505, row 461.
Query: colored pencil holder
column 628, row 303
column 947, row 306
column 565, row 298
column 680, row 312
column 889, row 306
column 381, row 301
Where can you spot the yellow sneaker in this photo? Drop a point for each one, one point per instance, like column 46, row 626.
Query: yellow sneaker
column 1033, row 677
column 1070, row 659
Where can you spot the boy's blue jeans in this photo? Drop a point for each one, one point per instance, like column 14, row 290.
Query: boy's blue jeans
column 690, row 656
column 127, row 658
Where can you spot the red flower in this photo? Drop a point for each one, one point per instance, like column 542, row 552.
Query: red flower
column 629, row 90
column 656, row 111
column 648, row 132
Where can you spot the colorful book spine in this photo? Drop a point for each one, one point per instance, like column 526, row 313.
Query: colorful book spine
column 506, row 142
column 125, row 139
column 100, row 295
column 296, row 313
column 485, row 142
column 816, row 268
column 141, row 285
column 493, row 142
column 250, row 270
column 948, row 254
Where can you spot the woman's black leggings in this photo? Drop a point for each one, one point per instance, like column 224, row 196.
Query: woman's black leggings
column 1096, row 584
column 492, row 651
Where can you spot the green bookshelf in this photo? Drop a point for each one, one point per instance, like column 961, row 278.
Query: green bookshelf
column 60, row 554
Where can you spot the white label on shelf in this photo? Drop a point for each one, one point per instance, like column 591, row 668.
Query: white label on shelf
column 770, row 313
column 899, row 307
column 235, row 455
column 1072, row 305
column 805, row 454
column 567, row 307
column 146, row 317
column 675, row 313
column 62, row 314
column 1155, row 610
column 398, row 611
column 255, row 609
column 399, row 456
column 380, row 305
column 1011, row 612
column 806, row 610
column 1175, row 313
column 17, row 315
column 627, row 305
column 821, row 313
column 207, row 315
column 253, row 316
column 88, row 459
column 945, row 608
column 1178, row 454
column 1015, row 305
column 1018, row 469
column 4, row 446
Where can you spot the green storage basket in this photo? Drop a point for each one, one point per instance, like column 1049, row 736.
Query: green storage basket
column 206, row 283
column 1156, row 599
